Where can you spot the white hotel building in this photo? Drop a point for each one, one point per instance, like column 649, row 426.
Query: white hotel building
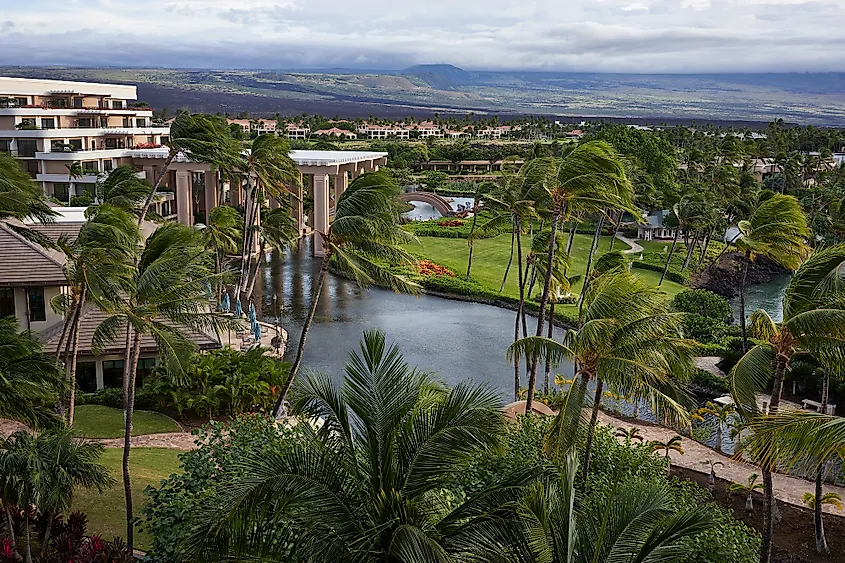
column 52, row 124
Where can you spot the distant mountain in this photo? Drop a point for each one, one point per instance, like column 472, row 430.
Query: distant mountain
column 440, row 76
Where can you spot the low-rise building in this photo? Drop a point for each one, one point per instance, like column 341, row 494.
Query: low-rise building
column 384, row 131
column 655, row 228
column 336, row 132
column 297, row 131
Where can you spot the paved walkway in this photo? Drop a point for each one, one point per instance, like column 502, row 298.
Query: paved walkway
column 635, row 248
column 172, row 440
column 787, row 489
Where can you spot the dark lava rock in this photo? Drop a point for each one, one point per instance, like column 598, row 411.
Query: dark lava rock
column 725, row 276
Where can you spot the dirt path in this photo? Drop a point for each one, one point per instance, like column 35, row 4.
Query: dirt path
column 635, row 248
column 787, row 489
column 173, row 440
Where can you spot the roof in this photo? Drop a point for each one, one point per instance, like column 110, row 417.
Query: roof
column 92, row 319
column 335, row 131
column 301, row 158
column 54, row 230
column 25, row 264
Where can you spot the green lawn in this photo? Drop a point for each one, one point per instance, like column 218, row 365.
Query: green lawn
column 97, row 421
column 490, row 256
column 107, row 512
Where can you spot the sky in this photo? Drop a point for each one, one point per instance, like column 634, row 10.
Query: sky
column 640, row 36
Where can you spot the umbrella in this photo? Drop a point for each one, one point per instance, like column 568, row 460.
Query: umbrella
column 252, row 315
column 227, row 303
column 238, row 309
column 257, row 331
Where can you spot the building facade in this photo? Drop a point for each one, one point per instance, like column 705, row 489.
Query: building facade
column 67, row 133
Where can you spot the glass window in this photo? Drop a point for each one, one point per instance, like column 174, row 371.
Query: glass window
column 145, row 368
column 107, row 165
column 48, row 123
column 113, row 373
column 77, row 102
column 140, row 122
column 21, row 102
column 86, row 376
column 7, row 302
column 5, row 146
column 37, row 309
column 75, row 144
column 117, row 104
column 27, row 147
column 61, row 191
column 90, row 165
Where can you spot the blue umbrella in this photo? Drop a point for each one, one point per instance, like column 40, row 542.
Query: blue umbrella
column 252, row 315
column 257, row 331
column 227, row 303
column 238, row 309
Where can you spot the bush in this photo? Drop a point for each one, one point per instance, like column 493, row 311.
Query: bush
column 83, row 200
column 108, row 397
column 704, row 329
column 703, row 303
column 221, row 445
column 707, row 380
column 677, row 277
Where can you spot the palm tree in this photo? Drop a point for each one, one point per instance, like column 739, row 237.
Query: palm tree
column 671, row 445
column 829, row 499
column 222, row 235
column 711, row 478
column 278, row 229
column 166, row 294
column 748, row 488
column 364, row 485
column 94, row 264
column 776, row 229
column 206, row 139
column 588, row 178
column 477, row 203
column 122, row 188
column 630, row 434
column 813, row 321
column 722, row 414
column 30, row 380
column 629, row 342
column 636, row 522
column 44, row 470
column 364, row 235
column 21, row 198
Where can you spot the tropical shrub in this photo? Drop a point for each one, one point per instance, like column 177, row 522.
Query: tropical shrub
column 649, row 263
column 225, row 381
column 221, row 445
column 703, row 329
column 703, row 303
column 428, row 268
column 705, row 379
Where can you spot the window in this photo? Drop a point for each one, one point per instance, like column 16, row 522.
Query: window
column 86, row 376
column 27, row 147
column 21, row 102
column 27, row 123
column 77, row 102
column 113, row 373
column 5, row 146
column 75, row 144
column 107, row 165
column 117, row 104
column 90, row 166
column 127, row 122
column 85, row 123
column 7, row 302
column 140, row 122
column 111, row 143
column 145, row 368
column 37, row 309
column 61, row 191
column 48, row 123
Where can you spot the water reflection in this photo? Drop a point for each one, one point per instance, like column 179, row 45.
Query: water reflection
column 767, row 296
column 459, row 341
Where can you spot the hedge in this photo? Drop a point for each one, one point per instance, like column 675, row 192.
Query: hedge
column 704, row 378
column 677, row 277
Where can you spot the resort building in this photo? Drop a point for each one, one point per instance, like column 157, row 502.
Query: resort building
column 336, row 132
column 67, row 133
column 495, row 132
column 384, row 131
column 427, row 129
column 655, row 229
column 297, row 131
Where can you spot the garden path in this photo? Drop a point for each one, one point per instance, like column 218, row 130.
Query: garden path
column 787, row 489
column 635, row 248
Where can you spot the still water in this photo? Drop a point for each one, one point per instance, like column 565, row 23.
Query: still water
column 767, row 296
column 459, row 341
column 424, row 211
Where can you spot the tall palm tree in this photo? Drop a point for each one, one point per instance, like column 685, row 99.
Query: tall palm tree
column 95, row 262
column 364, row 235
column 278, row 229
column 776, row 229
column 722, row 414
column 364, row 486
column 30, row 379
column 204, row 138
column 222, row 235
column 166, row 295
column 477, row 203
column 635, row 522
column 122, row 188
column 590, row 177
column 629, row 343
column 813, row 321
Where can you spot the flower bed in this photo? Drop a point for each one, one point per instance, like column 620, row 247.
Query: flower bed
column 451, row 223
column 428, row 268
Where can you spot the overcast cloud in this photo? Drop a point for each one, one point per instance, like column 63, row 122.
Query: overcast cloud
column 563, row 35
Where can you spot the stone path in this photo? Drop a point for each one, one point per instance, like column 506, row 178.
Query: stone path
column 172, row 440
column 788, row 489
column 635, row 248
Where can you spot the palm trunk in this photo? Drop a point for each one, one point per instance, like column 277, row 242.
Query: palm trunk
column 690, row 251
column 718, row 435
column 616, row 230
column 521, row 306
column 10, row 524
column 593, row 248
column 548, row 367
column 516, row 362
column 818, row 522
column 71, row 406
column 591, row 429
column 129, row 373
column 768, row 486
column 28, row 540
column 544, row 301
column 510, row 260
column 707, row 240
column 315, row 298
column 669, row 258
column 469, row 239
column 246, row 249
column 742, row 320
column 254, row 273
column 170, row 156
column 47, row 531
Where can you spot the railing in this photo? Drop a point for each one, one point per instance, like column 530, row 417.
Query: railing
column 96, row 126
column 83, row 108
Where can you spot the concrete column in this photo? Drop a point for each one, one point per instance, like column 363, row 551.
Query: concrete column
column 341, row 182
column 98, row 368
column 296, row 210
column 321, row 211
column 184, row 198
column 212, row 191
column 274, row 203
column 236, row 196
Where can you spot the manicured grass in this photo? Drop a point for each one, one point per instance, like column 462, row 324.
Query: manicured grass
column 107, row 512
column 490, row 256
column 97, row 421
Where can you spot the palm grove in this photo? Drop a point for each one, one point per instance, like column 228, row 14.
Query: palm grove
column 383, row 478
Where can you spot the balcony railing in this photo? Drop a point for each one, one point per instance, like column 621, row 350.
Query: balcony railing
column 82, row 108
column 97, row 126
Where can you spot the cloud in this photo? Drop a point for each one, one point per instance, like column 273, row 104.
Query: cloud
column 576, row 35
